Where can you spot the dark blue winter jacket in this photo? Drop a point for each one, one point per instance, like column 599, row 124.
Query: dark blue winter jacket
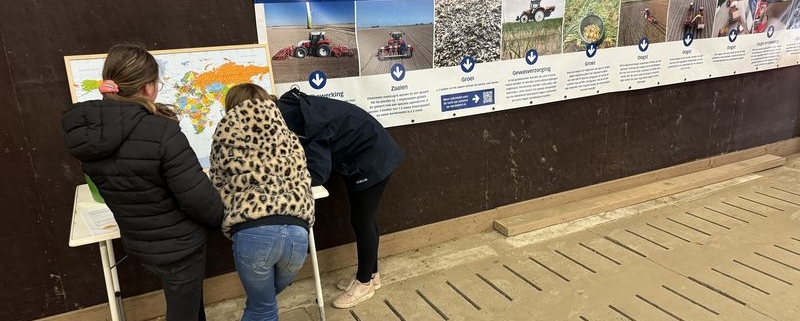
column 340, row 136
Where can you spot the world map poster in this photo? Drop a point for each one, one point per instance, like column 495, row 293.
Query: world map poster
column 195, row 81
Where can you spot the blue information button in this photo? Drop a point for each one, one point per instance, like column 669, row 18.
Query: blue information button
column 468, row 99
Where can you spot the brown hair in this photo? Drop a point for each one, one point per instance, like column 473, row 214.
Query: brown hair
column 243, row 92
column 131, row 67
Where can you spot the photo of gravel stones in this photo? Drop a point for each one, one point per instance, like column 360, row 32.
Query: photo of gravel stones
column 467, row 28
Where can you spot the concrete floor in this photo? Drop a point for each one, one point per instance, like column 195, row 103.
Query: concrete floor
column 728, row 251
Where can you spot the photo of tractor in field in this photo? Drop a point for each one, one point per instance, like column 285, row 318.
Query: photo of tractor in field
column 305, row 37
column 694, row 19
column 396, row 47
column 643, row 19
column 543, row 34
column 410, row 36
column 648, row 16
column 316, row 46
column 536, row 12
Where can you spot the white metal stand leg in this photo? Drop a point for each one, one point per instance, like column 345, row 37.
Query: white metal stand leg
column 317, row 281
column 115, row 278
column 109, row 276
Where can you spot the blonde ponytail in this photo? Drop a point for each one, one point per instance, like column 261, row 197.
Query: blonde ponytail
column 131, row 67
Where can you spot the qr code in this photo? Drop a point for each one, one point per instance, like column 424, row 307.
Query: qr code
column 488, row 97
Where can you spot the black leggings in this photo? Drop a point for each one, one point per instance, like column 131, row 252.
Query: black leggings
column 363, row 209
column 183, row 287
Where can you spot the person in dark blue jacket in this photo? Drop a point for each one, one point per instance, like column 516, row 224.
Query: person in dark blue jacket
column 340, row 136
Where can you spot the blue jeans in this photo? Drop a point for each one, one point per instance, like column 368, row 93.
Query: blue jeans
column 267, row 259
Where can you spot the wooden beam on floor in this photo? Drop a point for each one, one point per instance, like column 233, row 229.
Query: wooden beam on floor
column 781, row 148
column 548, row 216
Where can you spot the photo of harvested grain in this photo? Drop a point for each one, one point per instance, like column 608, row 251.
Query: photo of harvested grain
column 590, row 21
column 307, row 36
column 466, row 28
column 391, row 32
column 642, row 18
column 532, row 24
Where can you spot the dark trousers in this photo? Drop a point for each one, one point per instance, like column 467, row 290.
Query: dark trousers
column 183, row 287
column 363, row 209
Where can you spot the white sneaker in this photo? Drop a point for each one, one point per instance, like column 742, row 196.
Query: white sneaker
column 356, row 293
column 345, row 284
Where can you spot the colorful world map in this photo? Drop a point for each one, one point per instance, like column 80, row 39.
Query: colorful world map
column 198, row 92
column 195, row 82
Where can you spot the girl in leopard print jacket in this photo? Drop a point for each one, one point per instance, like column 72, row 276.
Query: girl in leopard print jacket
column 259, row 167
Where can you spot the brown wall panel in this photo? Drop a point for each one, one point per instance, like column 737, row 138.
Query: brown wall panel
column 36, row 36
column 767, row 107
column 21, row 232
column 553, row 147
column 453, row 167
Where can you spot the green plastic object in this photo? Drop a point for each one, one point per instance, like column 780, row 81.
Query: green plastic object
column 93, row 188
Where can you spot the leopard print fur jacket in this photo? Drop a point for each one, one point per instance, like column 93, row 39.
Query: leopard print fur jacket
column 259, row 166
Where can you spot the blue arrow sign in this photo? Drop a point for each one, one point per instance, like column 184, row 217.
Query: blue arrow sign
column 398, row 72
column 468, row 99
column 317, row 79
column 644, row 43
column 591, row 50
column 531, row 57
column 733, row 34
column 688, row 38
column 467, row 64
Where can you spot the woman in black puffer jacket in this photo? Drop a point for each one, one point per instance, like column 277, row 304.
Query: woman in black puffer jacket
column 149, row 176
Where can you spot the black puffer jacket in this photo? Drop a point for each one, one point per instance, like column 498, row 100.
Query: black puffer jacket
column 148, row 175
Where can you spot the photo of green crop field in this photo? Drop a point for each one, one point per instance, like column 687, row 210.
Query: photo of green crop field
column 543, row 36
column 578, row 11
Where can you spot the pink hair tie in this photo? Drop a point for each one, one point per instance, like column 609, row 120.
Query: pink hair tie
column 109, row 86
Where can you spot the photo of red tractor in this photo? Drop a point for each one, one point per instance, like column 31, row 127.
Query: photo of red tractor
column 396, row 47
column 536, row 12
column 316, row 46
